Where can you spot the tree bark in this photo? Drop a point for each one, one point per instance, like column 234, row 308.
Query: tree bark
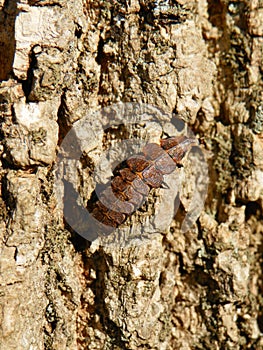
column 198, row 60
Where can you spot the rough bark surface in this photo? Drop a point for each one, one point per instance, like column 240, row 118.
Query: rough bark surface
column 200, row 59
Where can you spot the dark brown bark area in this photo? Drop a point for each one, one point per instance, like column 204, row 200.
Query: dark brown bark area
column 201, row 60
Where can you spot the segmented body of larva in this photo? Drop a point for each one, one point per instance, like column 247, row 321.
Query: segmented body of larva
column 128, row 189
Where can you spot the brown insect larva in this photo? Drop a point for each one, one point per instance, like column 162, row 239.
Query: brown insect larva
column 127, row 191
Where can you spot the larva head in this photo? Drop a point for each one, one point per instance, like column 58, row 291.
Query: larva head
column 178, row 146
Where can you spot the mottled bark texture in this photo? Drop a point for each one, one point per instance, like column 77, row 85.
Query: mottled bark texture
column 200, row 59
